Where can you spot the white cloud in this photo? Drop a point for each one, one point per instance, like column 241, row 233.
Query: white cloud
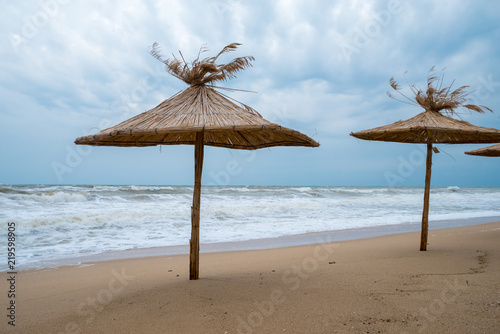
column 88, row 62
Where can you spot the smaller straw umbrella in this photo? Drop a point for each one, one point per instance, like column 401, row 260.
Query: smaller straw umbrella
column 490, row 151
column 431, row 126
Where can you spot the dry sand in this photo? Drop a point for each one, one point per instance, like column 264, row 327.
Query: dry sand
column 377, row 285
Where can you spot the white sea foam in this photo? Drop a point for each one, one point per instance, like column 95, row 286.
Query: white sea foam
column 54, row 222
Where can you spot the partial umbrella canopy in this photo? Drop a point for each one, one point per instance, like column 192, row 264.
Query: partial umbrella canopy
column 432, row 127
column 199, row 115
column 490, row 151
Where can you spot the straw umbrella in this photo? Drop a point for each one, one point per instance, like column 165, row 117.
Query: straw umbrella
column 431, row 126
column 490, row 151
column 199, row 116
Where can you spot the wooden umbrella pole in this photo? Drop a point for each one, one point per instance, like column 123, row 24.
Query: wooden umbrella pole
column 194, row 243
column 425, row 213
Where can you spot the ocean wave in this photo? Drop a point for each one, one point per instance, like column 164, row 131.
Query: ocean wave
column 52, row 197
column 61, row 221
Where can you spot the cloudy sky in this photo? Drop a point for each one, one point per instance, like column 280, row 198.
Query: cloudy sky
column 71, row 68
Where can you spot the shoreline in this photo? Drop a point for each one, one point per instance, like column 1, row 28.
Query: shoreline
column 380, row 284
column 310, row 238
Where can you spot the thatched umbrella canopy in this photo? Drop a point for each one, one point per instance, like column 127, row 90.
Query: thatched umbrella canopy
column 432, row 127
column 490, row 151
column 199, row 115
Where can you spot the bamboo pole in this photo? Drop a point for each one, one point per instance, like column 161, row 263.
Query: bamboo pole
column 425, row 213
column 194, row 242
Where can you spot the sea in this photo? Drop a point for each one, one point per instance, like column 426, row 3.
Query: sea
column 72, row 224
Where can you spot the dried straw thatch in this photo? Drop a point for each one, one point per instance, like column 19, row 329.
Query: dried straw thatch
column 431, row 126
column 437, row 98
column 199, row 116
column 205, row 71
column 176, row 121
column 490, row 151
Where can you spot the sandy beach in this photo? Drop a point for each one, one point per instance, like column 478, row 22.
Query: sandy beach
column 376, row 285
